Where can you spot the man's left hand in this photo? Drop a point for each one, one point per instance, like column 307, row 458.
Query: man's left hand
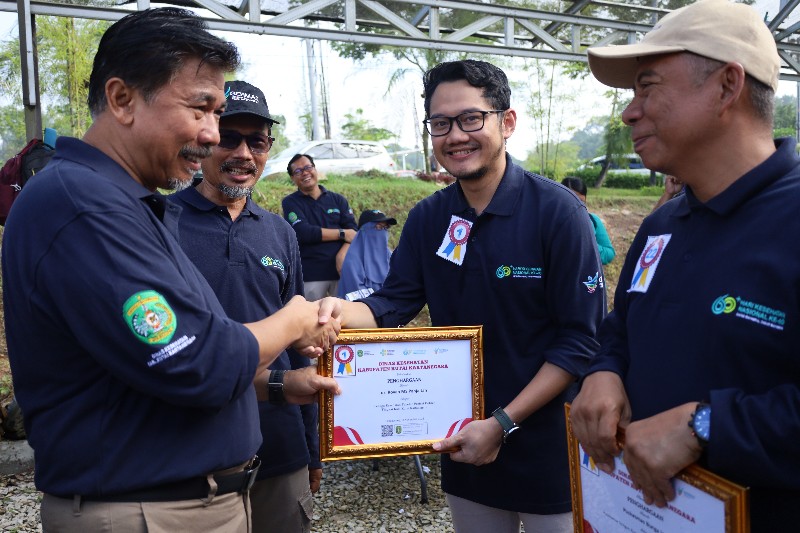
column 478, row 442
column 314, row 479
column 302, row 385
column 657, row 448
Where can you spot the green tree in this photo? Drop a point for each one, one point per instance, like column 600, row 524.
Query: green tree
column 785, row 116
column 617, row 137
column 358, row 127
column 65, row 46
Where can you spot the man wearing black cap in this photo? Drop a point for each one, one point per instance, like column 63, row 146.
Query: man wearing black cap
column 367, row 261
column 251, row 259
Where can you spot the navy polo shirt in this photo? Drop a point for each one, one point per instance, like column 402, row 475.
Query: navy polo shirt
column 532, row 277
column 128, row 371
column 308, row 216
column 253, row 265
column 719, row 322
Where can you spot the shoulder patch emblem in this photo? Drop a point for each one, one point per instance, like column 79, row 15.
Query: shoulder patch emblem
column 292, row 217
column 150, row 317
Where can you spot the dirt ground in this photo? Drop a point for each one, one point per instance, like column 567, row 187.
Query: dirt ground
column 621, row 218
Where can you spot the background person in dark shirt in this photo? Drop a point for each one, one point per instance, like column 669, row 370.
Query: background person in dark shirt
column 324, row 224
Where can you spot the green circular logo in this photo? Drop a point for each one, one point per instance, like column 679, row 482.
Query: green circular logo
column 150, row 317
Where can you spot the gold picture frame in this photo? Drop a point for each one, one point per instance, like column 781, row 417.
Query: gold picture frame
column 400, row 388
column 731, row 499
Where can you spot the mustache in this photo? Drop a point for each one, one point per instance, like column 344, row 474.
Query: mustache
column 195, row 152
column 232, row 164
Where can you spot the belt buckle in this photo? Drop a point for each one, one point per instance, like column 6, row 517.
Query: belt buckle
column 250, row 471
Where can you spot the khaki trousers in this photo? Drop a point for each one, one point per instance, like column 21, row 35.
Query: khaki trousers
column 229, row 513
column 282, row 504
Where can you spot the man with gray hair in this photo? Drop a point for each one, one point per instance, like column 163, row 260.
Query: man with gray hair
column 719, row 264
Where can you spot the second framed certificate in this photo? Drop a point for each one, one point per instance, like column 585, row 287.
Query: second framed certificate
column 402, row 390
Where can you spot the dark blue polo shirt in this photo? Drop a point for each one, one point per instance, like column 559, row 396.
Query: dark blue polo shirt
column 720, row 322
column 308, row 216
column 128, row 371
column 532, row 277
column 253, row 265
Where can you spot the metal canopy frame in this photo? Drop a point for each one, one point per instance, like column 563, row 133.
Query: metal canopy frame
column 500, row 29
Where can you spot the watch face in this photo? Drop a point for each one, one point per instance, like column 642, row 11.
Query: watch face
column 702, row 423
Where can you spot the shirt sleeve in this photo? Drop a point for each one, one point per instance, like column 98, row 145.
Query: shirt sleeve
column 575, row 293
column 145, row 315
column 348, row 219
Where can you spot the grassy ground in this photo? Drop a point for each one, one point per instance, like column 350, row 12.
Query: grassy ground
column 621, row 210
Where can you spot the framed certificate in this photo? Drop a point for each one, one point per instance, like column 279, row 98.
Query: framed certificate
column 402, row 390
column 705, row 502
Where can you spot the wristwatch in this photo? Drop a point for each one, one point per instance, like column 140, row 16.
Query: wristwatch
column 700, row 424
column 275, row 387
column 506, row 423
column 341, row 234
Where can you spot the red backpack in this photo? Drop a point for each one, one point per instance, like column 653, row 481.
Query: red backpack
column 18, row 170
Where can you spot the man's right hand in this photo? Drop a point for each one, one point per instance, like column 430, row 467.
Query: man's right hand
column 317, row 333
column 596, row 413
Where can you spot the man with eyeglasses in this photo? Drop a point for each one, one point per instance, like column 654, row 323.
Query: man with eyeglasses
column 514, row 252
column 250, row 258
column 324, row 224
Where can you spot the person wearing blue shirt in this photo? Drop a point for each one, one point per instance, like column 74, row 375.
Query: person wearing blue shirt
column 514, row 252
column 324, row 224
column 250, row 258
column 367, row 263
column 699, row 359
column 138, row 391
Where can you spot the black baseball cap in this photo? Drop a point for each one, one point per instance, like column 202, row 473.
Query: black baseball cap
column 373, row 215
column 243, row 98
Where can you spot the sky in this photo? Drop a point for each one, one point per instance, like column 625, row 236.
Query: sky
column 278, row 66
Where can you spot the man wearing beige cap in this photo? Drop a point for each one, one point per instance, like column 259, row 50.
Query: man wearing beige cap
column 718, row 264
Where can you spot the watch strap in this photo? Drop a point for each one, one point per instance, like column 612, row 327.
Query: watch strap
column 703, row 410
column 341, row 234
column 505, row 421
column 275, row 387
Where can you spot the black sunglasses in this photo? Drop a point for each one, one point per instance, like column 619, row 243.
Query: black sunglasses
column 256, row 142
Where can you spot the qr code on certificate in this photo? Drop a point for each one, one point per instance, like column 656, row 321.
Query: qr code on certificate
column 387, row 430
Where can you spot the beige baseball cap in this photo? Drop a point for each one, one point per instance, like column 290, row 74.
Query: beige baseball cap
column 717, row 29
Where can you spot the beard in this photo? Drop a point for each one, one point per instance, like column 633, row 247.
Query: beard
column 178, row 184
column 187, row 152
column 235, row 192
column 481, row 171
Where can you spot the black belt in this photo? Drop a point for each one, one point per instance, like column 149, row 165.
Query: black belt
column 188, row 489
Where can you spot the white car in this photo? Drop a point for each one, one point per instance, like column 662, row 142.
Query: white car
column 340, row 157
column 629, row 163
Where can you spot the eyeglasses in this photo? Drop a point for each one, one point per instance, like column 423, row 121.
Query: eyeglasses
column 299, row 170
column 468, row 122
column 256, row 142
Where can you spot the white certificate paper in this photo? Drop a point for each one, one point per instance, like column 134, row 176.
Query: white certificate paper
column 402, row 389
column 611, row 505
column 395, row 392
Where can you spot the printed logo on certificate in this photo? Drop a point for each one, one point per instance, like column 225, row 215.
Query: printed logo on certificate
column 345, row 362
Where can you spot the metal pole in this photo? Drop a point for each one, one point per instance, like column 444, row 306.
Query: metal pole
column 316, row 133
column 29, row 62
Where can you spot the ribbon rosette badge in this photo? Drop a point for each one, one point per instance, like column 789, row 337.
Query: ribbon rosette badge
column 454, row 244
column 345, row 357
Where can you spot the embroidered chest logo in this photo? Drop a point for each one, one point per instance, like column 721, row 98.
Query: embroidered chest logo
column 648, row 262
column 267, row 261
column 332, row 211
column 511, row 271
column 150, row 317
column 749, row 310
column 454, row 243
